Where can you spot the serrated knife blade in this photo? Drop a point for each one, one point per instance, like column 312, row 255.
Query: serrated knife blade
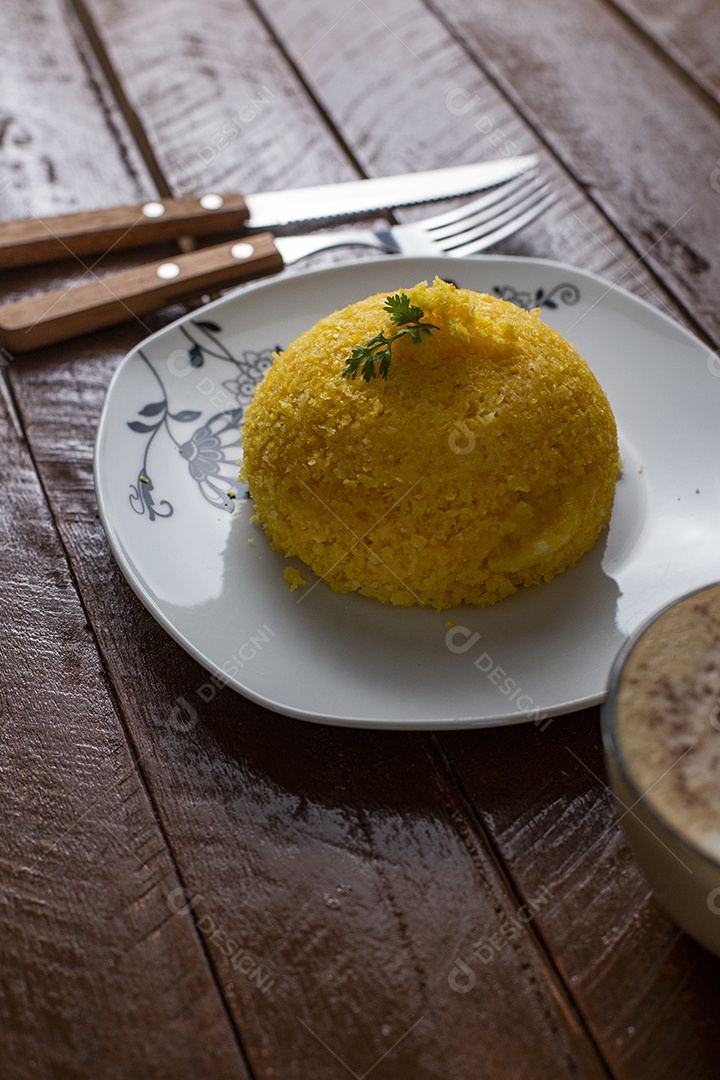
column 354, row 198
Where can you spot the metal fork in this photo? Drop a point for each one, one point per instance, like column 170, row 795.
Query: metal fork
column 467, row 230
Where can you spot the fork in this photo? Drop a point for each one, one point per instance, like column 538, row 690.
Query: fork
column 64, row 313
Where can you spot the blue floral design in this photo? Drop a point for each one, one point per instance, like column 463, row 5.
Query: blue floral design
column 213, row 447
column 565, row 292
column 205, row 453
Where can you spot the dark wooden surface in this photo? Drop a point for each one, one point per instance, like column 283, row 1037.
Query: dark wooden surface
column 249, row 895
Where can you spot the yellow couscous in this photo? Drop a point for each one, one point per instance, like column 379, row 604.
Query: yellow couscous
column 487, row 459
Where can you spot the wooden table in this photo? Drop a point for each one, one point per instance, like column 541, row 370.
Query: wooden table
column 251, row 895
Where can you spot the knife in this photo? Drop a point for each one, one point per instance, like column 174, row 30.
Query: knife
column 36, row 240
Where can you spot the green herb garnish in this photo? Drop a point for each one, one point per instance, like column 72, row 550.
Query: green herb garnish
column 379, row 348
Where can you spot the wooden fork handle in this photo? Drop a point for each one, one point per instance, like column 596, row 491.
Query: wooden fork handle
column 36, row 240
column 64, row 313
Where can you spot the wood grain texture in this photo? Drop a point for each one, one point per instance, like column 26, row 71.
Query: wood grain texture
column 35, row 240
column 687, row 30
column 623, row 120
column 84, row 870
column 222, row 108
column 643, row 985
column 50, row 163
column 49, row 79
column 339, row 886
column 115, row 298
column 423, row 100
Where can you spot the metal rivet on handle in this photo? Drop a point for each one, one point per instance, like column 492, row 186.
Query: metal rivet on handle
column 153, row 209
column 241, row 251
column 211, row 202
column 167, row 271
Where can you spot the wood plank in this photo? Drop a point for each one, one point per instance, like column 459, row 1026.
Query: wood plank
column 442, row 108
column 627, row 125
column 93, row 967
column 43, row 168
column 643, row 985
column 687, row 30
column 221, row 107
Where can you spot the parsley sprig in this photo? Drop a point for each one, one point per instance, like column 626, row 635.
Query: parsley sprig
column 379, row 348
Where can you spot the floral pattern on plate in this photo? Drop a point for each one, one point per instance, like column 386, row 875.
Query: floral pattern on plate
column 212, row 448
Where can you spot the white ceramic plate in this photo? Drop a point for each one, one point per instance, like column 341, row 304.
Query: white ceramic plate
column 166, row 457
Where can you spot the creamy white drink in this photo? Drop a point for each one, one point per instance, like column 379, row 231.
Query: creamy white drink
column 661, row 728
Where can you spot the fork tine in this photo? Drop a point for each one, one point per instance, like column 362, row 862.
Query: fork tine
column 514, row 195
column 489, row 198
column 500, row 228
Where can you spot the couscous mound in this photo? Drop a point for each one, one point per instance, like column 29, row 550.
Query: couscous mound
column 487, row 460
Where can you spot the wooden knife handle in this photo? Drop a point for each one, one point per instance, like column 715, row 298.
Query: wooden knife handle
column 36, row 240
column 64, row 313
